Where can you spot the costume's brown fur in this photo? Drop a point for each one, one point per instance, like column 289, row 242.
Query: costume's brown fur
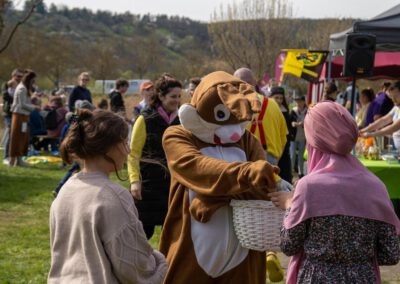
column 215, row 182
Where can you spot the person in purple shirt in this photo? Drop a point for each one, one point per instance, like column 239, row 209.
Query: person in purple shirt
column 382, row 103
column 368, row 99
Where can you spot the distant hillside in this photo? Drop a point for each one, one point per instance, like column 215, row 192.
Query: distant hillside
column 165, row 44
column 59, row 43
column 83, row 24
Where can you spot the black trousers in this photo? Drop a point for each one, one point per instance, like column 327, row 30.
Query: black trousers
column 149, row 230
column 285, row 164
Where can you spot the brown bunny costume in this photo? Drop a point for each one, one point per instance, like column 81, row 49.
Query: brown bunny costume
column 213, row 159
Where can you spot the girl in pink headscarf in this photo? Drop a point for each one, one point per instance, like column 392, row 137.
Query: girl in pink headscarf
column 340, row 224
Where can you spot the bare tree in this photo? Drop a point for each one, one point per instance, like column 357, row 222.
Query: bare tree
column 314, row 34
column 57, row 58
column 251, row 33
column 146, row 53
column 26, row 49
column 3, row 6
column 103, row 61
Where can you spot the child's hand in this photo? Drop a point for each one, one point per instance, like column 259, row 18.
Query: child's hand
column 281, row 199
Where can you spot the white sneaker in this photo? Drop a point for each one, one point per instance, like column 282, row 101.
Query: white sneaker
column 22, row 164
column 6, row 162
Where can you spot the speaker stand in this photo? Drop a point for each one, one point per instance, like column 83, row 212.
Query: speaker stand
column 353, row 106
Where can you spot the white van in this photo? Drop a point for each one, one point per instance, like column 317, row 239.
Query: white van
column 134, row 86
column 109, row 86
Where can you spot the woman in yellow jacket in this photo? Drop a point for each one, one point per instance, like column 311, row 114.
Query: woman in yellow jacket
column 147, row 165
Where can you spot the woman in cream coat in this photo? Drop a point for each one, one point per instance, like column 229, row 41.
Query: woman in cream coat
column 21, row 109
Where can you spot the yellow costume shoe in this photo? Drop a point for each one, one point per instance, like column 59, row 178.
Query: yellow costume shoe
column 274, row 268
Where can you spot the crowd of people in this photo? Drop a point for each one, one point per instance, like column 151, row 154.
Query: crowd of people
column 187, row 161
column 377, row 115
column 28, row 123
column 386, row 120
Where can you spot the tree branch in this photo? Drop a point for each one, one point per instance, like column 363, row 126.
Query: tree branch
column 22, row 21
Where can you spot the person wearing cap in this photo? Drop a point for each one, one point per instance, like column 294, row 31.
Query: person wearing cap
column 285, row 164
column 146, row 92
column 298, row 144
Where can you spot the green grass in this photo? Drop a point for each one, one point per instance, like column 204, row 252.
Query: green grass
column 25, row 199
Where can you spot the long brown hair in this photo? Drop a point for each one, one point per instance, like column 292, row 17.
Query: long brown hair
column 27, row 80
column 385, row 86
column 329, row 89
column 93, row 134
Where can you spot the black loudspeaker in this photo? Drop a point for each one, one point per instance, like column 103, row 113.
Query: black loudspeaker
column 359, row 55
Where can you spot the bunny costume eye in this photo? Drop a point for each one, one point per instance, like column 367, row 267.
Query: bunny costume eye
column 221, row 113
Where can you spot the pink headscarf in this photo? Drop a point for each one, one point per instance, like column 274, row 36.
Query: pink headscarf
column 337, row 183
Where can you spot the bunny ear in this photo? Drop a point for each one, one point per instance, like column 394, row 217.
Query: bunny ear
column 251, row 96
column 241, row 100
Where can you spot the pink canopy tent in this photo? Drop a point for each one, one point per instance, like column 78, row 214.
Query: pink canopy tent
column 386, row 66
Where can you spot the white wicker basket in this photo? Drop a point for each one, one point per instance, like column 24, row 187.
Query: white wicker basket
column 257, row 224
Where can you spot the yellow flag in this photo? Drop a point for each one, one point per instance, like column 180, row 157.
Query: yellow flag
column 304, row 64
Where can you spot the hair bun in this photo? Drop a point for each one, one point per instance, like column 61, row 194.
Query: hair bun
column 93, row 134
column 84, row 114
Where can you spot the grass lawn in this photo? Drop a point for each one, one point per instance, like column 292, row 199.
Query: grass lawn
column 25, row 199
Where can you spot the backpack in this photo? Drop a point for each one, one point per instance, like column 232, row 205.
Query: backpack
column 51, row 120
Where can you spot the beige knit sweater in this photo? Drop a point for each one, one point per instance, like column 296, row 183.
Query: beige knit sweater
column 22, row 102
column 96, row 237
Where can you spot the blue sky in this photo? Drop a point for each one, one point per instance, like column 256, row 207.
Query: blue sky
column 202, row 9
